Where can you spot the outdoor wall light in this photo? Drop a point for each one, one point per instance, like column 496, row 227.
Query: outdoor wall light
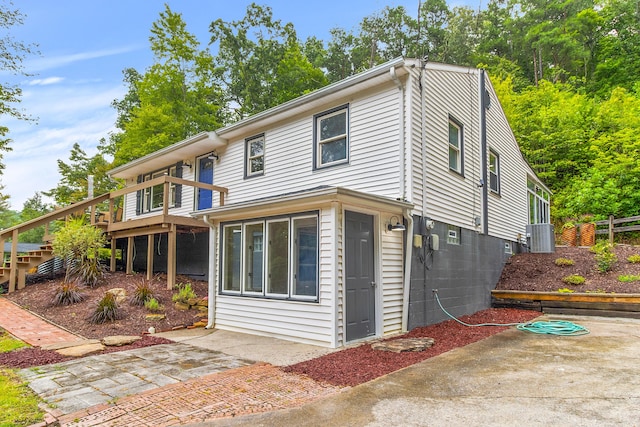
column 397, row 226
column 213, row 156
column 187, row 163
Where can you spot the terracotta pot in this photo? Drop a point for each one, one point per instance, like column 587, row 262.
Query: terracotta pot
column 569, row 236
column 587, row 234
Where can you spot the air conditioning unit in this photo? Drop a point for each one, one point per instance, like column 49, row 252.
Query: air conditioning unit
column 540, row 238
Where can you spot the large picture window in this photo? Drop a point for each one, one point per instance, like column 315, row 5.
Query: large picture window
column 331, row 137
column 271, row 257
column 539, row 201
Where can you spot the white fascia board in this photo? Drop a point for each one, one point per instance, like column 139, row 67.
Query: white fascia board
column 186, row 149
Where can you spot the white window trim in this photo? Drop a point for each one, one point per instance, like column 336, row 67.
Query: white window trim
column 459, row 149
column 248, row 157
column 318, row 164
column 494, row 154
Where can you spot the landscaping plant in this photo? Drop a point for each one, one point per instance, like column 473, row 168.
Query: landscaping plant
column 67, row 294
column 78, row 244
column 605, row 258
column 106, row 311
column 153, row 305
column 185, row 293
column 634, row 259
column 563, row 262
column 574, row 279
column 142, row 294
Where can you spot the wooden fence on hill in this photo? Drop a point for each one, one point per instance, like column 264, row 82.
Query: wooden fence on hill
column 613, row 226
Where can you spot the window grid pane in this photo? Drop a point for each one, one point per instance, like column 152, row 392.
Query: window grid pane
column 305, row 256
column 253, row 255
column 232, row 253
column 278, row 257
column 455, row 147
column 331, row 138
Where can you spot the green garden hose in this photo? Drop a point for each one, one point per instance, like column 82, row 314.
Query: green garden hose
column 552, row 327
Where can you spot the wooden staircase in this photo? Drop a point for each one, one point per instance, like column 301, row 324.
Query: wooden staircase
column 25, row 263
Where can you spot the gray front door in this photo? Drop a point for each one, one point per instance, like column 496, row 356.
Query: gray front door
column 360, row 272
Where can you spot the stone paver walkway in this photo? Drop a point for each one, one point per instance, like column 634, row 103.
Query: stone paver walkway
column 252, row 389
column 30, row 328
column 78, row 384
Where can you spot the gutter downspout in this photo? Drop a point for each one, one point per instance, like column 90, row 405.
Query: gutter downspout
column 212, row 273
column 403, row 154
column 483, row 148
column 407, row 214
column 407, row 270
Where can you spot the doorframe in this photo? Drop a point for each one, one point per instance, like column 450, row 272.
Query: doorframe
column 377, row 270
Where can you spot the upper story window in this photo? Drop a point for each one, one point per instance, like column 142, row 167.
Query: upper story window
column 456, row 146
column 331, row 137
column 539, row 201
column 254, row 156
column 152, row 198
column 494, row 171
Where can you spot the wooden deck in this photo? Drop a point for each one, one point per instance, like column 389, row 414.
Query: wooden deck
column 110, row 221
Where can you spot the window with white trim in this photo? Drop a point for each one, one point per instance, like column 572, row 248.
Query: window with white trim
column 254, row 156
column 539, row 201
column 456, row 146
column 494, row 171
column 453, row 234
column 271, row 257
column 331, row 137
column 153, row 197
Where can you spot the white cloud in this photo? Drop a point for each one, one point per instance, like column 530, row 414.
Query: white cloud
column 45, row 82
column 47, row 63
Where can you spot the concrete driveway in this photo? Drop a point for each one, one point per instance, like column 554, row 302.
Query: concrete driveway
column 513, row 378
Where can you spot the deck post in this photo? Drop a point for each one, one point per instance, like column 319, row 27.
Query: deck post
column 112, row 264
column 2, row 252
column 150, row 256
column 171, row 257
column 14, row 261
column 129, row 268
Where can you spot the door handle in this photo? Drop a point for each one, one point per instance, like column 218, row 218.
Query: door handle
column 373, row 284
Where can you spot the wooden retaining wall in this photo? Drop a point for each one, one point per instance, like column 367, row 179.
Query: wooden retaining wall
column 587, row 304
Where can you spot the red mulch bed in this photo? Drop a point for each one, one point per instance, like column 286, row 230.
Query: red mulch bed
column 358, row 365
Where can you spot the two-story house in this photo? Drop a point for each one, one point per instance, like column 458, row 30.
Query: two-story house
column 340, row 211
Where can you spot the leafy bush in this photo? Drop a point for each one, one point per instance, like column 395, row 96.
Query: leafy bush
column 574, row 279
column 142, row 294
column 628, row 278
column 106, row 311
column 67, row 294
column 634, row 259
column 563, row 262
column 78, row 243
column 605, row 258
column 185, row 293
column 153, row 305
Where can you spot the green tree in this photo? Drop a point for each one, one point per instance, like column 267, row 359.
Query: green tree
column 78, row 244
column 73, row 186
column 32, row 208
column 259, row 57
column 175, row 98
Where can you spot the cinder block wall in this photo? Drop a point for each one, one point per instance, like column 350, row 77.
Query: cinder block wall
column 463, row 274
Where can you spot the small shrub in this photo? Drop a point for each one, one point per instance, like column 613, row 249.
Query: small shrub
column 185, row 293
column 574, row 279
column 566, row 291
column 563, row 262
column 88, row 272
column 67, row 294
column 153, row 305
column 605, row 258
column 628, row 278
column 106, row 311
column 141, row 294
column 634, row 259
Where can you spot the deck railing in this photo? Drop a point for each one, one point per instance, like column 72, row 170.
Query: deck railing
column 106, row 220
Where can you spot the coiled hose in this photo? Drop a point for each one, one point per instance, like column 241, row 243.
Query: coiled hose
column 552, row 327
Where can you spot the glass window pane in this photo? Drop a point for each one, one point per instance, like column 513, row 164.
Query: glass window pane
column 333, row 126
column 254, row 235
column 305, row 257
column 231, row 258
column 334, row 151
column 257, row 164
column 278, row 258
column 453, row 159
column 454, row 135
column 256, row 148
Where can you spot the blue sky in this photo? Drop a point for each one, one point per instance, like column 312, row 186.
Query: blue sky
column 84, row 47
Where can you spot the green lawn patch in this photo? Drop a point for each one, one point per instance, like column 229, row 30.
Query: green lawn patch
column 8, row 343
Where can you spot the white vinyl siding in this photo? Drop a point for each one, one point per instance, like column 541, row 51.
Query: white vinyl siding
column 310, row 322
column 392, row 281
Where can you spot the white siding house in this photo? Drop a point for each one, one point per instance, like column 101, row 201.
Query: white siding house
column 334, row 201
